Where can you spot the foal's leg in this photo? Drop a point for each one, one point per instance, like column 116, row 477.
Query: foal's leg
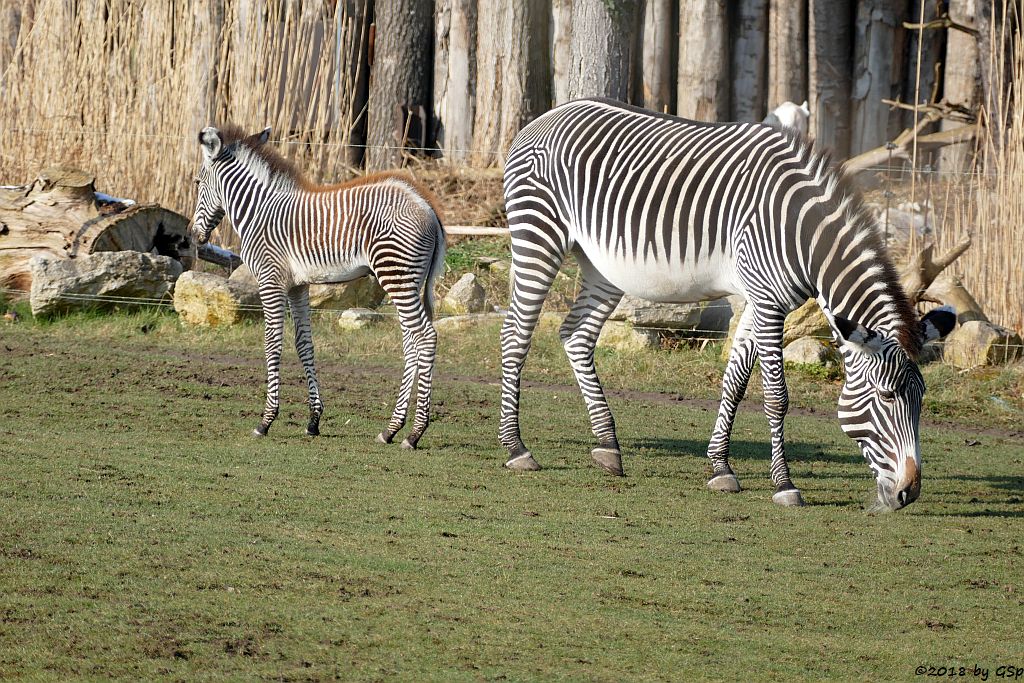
column 298, row 297
column 405, row 296
column 273, row 300
column 425, row 337
column 595, row 302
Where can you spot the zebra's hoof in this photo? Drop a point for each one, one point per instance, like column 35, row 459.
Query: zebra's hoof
column 790, row 498
column 312, row 431
column 608, row 459
column 523, row 463
column 408, row 445
column 259, row 431
column 381, row 438
column 725, row 483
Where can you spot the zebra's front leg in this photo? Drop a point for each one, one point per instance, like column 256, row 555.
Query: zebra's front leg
column 768, row 333
column 595, row 302
column 273, row 300
column 398, row 417
column 298, row 297
column 734, row 386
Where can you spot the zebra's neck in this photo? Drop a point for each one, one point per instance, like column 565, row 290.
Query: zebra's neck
column 853, row 276
column 250, row 189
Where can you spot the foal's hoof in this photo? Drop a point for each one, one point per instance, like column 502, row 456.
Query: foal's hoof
column 725, row 483
column 259, row 431
column 312, row 431
column 408, row 445
column 523, row 463
column 790, row 498
column 608, row 459
column 381, row 438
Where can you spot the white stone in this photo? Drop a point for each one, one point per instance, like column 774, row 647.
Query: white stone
column 206, row 299
column 358, row 318
column 809, row 351
column 465, row 296
column 977, row 342
column 60, row 285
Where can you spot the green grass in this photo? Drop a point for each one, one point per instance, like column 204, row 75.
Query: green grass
column 146, row 534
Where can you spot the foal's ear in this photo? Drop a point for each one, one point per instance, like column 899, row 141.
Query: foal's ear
column 261, row 137
column 211, row 142
column 857, row 337
column 938, row 323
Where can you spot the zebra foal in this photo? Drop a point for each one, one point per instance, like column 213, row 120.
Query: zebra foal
column 679, row 211
column 295, row 233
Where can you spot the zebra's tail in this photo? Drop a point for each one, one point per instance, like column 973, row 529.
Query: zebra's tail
column 436, row 267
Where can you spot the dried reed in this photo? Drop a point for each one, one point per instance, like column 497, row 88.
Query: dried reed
column 992, row 204
column 121, row 88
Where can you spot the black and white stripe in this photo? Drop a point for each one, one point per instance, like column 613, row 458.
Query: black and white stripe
column 677, row 211
column 294, row 233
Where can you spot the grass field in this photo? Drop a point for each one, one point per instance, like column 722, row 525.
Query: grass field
column 146, row 534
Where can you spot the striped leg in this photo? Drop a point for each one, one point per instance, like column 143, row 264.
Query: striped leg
column 595, row 302
column 768, row 328
column 533, row 271
column 273, row 299
column 734, row 386
column 426, row 350
column 405, row 296
column 298, row 297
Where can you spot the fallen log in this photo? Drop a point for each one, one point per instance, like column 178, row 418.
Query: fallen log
column 60, row 214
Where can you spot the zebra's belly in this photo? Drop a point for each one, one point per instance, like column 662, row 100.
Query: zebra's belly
column 681, row 282
column 321, row 274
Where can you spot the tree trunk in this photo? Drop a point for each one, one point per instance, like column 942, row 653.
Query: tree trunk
column 960, row 80
column 208, row 25
column 513, row 74
column 659, row 42
column 60, row 214
column 603, row 48
column 561, row 48
column 829, row 70
column 878, row 68
column 703, row 76
column 400, row 97
column 749, row 80
column 931, row 56
column 787, row 52
column 455, row 76
column 995, row 61
column 352, row 76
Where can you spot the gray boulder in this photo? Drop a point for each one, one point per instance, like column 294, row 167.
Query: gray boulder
column 358, row 318
column 465, row 296
column 117, row 278
column 642, row 313
column 809, row 351
column 209, row 300
column 623, row 336
column 977, row 343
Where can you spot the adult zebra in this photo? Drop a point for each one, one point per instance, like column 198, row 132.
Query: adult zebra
column 295, row 233
column 674, row 210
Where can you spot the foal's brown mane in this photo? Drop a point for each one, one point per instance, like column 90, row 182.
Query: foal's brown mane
column 278, row 165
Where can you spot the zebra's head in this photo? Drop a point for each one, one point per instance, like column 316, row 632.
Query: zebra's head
column 880, row 404
column 210, row 205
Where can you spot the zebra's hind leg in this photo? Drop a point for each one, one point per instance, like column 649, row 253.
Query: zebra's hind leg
column 768, row 328
column 273, row 301
column 595, row 302
column 426, row 350
column 534, row 268
column 298, row 297
column 734, row 386
column 398, row 417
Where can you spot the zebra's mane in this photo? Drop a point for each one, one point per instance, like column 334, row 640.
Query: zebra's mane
column 844, row 196
column 280, row 169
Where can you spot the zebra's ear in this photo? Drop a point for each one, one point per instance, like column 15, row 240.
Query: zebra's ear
column 211, row 142
column 938, row 323
column 857, row 337
column 261, row 137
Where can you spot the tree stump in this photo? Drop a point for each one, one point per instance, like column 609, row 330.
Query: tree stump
column 60, row 214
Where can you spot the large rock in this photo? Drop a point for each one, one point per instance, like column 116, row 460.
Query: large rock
column 100, row 280
column 978, row 342
column 358, row 318
column 363, row 292
column 209, row 300
column 643, row 313
column 810, row 351
column 465, row 296
column 623, row 336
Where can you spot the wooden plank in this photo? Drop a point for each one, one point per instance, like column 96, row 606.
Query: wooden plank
column 474, row 231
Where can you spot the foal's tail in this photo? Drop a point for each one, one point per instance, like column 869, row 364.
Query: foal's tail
column 436, row 266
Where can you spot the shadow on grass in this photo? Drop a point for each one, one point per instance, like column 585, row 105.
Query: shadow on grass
column 796, row 451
